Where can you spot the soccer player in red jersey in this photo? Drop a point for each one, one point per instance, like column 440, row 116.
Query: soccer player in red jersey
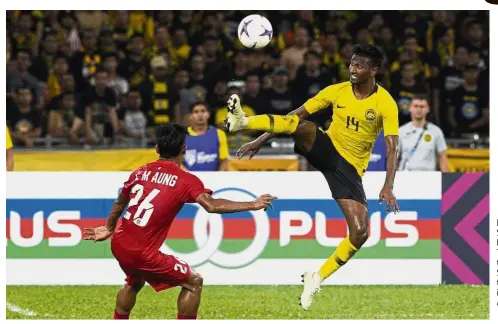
column 154, row 194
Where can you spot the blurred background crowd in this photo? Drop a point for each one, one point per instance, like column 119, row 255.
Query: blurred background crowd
column 91, row 78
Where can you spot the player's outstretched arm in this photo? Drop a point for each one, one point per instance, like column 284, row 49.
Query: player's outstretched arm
column 219, row 206
column 386, row 193
column 102, row 233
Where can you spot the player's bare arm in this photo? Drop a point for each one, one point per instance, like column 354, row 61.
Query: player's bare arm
column 253, row 147
column 212, row 205
column 386, row 194
column 102, row 233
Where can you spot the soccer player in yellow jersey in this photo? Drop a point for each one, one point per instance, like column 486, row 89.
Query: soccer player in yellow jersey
column 361, row 108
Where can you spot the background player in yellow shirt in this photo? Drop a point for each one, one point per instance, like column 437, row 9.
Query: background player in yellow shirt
column 361, row 108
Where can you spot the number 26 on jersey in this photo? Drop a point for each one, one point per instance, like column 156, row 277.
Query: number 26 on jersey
column 146, row 207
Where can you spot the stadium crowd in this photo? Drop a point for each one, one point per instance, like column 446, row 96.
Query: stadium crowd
column 89, row 75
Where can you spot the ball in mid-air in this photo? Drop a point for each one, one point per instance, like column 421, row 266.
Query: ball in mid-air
column 255, row 31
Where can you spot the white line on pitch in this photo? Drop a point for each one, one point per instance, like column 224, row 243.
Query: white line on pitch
column 26, row 312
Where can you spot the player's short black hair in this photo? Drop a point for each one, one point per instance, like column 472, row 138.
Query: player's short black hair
column 374, row 53
column 198, row 103
column 170, row 139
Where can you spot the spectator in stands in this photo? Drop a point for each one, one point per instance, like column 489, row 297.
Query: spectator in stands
column 411, row 52
column 67, row 85
column 70, row 31
column 60, row 68
column 468, row 106
column 98, row 110
column 405, row 90
column 476, row 38
column 207, row 148
column 252, row 94
column 293, row 57
column 279, row 99
column 180, row 49
column 25, row 121
column 20, row 78
column 45, row 62
column 134, row 67
column 24, row 37
column 85, row 62
column 121, row 30
column 106, row 42
column 197, row 68
column 422, row 144
column 311, row 78
column 62, row 119
column 316, row 46
column 161, row 43
column 114, row 81
column 475, row 58
column 330, row 49
column 241, row 66
column 157, row 96
column 450, row 78
column 182, row 92
column 385, row 40
column 133, row 121
column 9, row 155
column 364, row 36
column 217, row 66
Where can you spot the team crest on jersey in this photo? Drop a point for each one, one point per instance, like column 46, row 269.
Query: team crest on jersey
column 427, row 137
column 370, row 114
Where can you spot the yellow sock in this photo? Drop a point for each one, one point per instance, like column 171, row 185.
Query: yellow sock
column 275, row 124
column 341, row 255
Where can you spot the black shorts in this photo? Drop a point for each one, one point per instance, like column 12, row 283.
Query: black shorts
column 343, row 179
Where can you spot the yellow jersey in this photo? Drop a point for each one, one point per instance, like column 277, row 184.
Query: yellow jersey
column 356, row 123
column 8, row 139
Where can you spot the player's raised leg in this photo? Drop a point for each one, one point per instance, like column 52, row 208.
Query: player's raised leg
column 303, row 132
column 356, row 214
column 126, row 299
column 190, row 297
column 275, row 124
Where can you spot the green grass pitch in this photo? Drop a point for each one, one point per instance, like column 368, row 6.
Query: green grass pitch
column 256, row 302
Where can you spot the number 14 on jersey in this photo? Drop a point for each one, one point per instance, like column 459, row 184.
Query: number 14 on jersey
column 351, row 121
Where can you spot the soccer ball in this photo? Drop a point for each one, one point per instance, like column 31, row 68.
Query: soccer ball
column 255, row 31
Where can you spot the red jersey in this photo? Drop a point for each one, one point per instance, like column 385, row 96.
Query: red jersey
column 157, row 191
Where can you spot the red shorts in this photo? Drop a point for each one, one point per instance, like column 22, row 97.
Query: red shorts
column 161, row 271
